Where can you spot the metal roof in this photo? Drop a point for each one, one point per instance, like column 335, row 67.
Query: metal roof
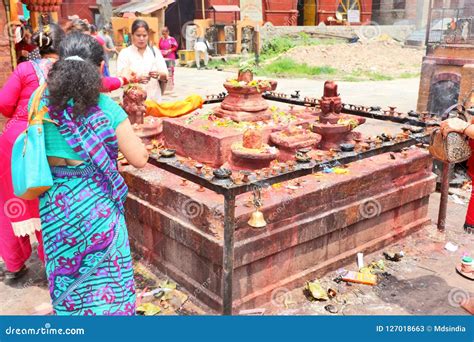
column 225, row 8
column 144, row 7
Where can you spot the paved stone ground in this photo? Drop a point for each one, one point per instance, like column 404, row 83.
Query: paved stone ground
column 423, row 283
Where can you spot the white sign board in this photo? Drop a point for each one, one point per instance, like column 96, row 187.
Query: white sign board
column 353, row 16
column 252, row 9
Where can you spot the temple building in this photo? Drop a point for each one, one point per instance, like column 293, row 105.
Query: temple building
column 389, row 12
column 293, row 12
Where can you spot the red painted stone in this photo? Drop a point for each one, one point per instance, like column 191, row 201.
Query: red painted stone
column 289, row 141
column 208, row 144
column 244, row 102
column 333, row 134
column 310, row 231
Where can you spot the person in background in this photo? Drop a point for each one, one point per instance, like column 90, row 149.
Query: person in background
column 143, row 63
column 109, row 84
column 109, row 48
column 88, row 260
column 20, row 220
column 201, row 47
column 466, row 129
column 78, row 25
column 168, row 47
column 25, row 46
column 126, row 38
column 95, row 34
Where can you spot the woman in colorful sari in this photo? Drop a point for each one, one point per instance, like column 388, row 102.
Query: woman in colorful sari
column 88, row 260
column 19, row 219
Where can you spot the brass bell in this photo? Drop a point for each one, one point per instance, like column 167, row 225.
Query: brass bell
column 257, row 220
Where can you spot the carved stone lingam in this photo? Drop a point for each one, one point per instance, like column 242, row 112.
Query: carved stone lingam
column 292, row 139
column 334, row 127
column 252, row 153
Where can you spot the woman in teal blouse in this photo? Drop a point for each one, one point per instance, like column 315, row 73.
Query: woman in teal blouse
column 88, row 259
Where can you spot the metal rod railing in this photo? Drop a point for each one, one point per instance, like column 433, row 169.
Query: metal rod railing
column 230, row 190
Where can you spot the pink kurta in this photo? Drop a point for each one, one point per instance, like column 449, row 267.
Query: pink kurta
column 16, row 214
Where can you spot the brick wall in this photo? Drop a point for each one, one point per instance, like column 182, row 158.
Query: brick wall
column 83, row 8
column 455, row 63
column 387, row 15
column 5, row 58
column 220, row 17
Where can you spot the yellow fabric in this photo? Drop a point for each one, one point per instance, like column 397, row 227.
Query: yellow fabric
column 174, row 109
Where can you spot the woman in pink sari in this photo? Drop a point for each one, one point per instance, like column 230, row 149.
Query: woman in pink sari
column 19, row 219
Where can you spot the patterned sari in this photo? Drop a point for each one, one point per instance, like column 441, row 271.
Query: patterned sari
column 88, row 260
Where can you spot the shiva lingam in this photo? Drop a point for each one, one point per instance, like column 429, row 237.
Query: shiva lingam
column 245, row 101
column 334, row 127
column 292, row 139
column 252, row 153
column 134, row 98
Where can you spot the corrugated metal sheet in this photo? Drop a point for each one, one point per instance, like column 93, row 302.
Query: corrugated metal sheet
column 144, row 7
column 225, row 8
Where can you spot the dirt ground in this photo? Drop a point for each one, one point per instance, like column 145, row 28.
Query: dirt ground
column 387, row 57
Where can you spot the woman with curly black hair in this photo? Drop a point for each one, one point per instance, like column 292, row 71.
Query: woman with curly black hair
column 20, row 218
column 88, row 261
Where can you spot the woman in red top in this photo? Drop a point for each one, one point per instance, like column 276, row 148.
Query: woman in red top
column 168, row 47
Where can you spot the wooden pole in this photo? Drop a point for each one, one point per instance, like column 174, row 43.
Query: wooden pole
column 203, row 5
column 54, row 17
column 428, row 26
column 34, row 16
column 11, row 34
column 13, row 10
column 443, row 203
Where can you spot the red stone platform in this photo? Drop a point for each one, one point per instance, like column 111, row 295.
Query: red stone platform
column 202, row 141
column 312, row 230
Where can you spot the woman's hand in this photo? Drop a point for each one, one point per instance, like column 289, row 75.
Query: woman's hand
column 453, row 125
column 163, row 76
column 154, row 74
column 131, row 146
column 144, row 79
